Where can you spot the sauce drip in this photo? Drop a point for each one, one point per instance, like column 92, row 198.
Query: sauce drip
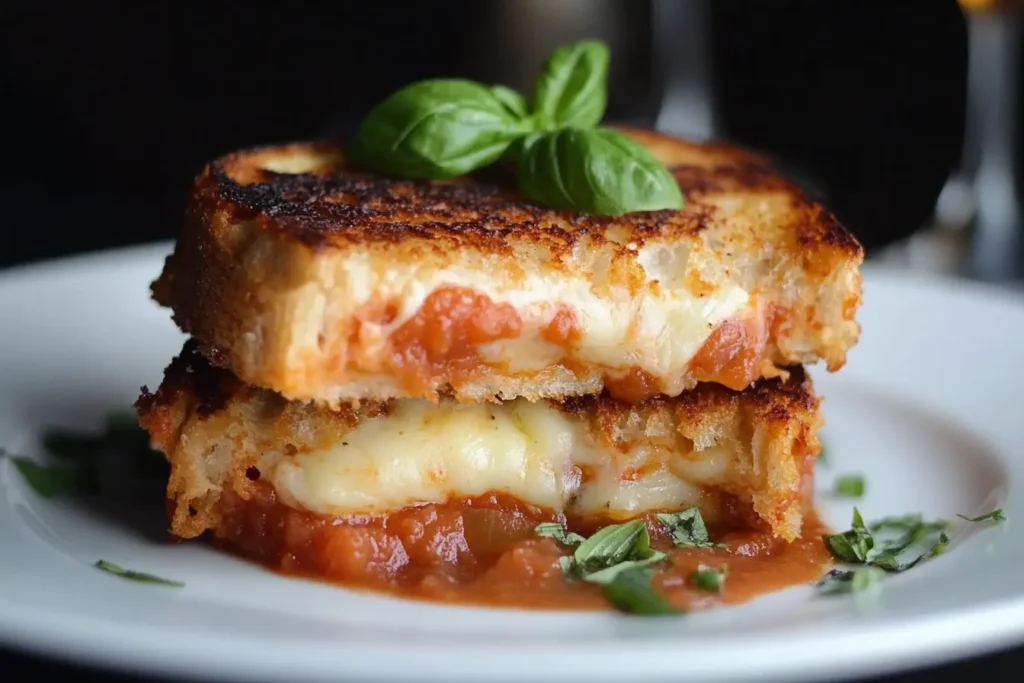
column 484, row 551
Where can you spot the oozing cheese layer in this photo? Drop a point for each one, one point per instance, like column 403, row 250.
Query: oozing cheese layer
column 657, row 329
column 423, row 452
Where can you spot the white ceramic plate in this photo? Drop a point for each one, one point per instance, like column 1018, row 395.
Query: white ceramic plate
column 929, row 409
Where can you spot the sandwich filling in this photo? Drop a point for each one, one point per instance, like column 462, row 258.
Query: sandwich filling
column 588, row 457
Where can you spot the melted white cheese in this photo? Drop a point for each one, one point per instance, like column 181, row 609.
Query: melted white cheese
column 423, row 453
column 659, row 329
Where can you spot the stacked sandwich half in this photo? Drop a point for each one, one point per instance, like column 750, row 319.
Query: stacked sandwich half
column 392, row 381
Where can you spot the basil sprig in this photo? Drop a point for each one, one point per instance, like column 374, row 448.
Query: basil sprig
column 441, row 128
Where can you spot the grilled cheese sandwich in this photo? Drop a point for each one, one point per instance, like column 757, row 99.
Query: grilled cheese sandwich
column 324, row 283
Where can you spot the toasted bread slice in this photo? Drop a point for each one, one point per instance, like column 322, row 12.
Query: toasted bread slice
column 324, row 283
column 741, row 457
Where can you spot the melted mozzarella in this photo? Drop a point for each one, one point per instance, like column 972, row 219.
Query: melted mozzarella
column 658, row 329
column 426, row 453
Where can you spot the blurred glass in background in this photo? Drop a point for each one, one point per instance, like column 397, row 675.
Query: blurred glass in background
column 900, row 116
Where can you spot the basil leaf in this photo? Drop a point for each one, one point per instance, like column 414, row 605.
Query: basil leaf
column 610, row 551
column 612, row 545
column 913, row 535
column 557, row 531
column 596, row 171
column 849, row 486
column 608, row 574
column 631, row 592
column 514, row 102
column 687, row 529
column 56, row 480
column 822, row 458
column 436, row 129
column 572, row 89
column 996, row 516
column 132, row 575
column 710, row 580
column 856, row 581
column 853, row 545
column 937, row 548
column 900, row 523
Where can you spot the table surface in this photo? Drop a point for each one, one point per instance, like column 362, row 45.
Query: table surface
column 1004, row 666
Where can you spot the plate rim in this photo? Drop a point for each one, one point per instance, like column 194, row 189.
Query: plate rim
column 989, row 633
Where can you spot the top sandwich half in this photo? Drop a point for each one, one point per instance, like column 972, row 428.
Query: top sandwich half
column 321, row 282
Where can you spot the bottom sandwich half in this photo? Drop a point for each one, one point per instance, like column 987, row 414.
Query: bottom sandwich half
column 442, row 500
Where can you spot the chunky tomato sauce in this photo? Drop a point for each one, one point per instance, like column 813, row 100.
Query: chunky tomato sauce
column 440, row 343
column 735, row 352
column 563, row 330
column 484, row 551
column 635, row 386
column 442, row 337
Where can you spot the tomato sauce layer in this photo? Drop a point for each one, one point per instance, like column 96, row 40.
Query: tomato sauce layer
column 735, row 353
column 484, row 551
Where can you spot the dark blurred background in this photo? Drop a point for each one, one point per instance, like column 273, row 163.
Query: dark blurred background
column 108, row 109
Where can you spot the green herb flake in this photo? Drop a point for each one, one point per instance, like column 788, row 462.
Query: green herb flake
column 687, row 529
column 710, row 580
column 994, row 517
column 877, row 555
column 614, row 544
column 558, row 532
column 855, row 581
column 822, row 458
column 631, row 592
column 131, row 575
column 616, row 557
column 849, row 486
column 853, row 545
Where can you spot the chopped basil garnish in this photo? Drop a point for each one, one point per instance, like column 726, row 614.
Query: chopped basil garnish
column 631, row 592
column 856, row 581
column 558, row 532
column 883, row 553
column 853, row 545
column 687, row 529
column 822, row 456
column 616, row 558
column 131, row 575
column 710, row 580
column 996, row 516
column 849, row 486
column 614, row 545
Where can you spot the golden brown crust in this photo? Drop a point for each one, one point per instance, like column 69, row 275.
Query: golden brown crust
column 214, row 429
column 272, row 233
